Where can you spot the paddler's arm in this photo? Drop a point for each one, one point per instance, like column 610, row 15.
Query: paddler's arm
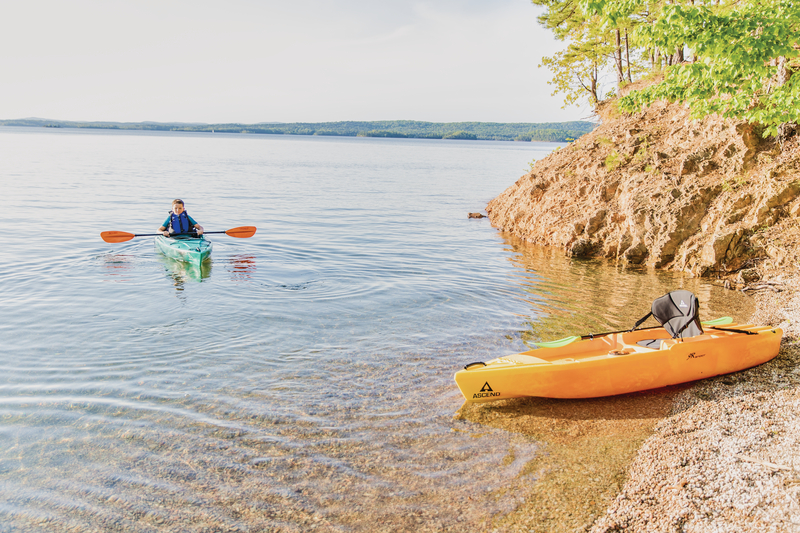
column 197, row 227
column 164, row 228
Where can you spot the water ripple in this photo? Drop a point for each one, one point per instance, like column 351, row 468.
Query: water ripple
column 300, row 378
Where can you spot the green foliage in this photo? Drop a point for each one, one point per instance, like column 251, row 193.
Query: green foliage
column 614, row 12
column 576, row 71
column 642, row 153
column 595, row 47
column 742, row 54
column 461, row 135
column 738, row 44
column 546, row 135
column 730, row 185
column 377, row 133
column 613, row 160
column 547, row 132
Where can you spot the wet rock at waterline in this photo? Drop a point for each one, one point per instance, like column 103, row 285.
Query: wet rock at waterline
column 710, row 197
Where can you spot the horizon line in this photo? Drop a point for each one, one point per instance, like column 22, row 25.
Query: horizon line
column 39, row 119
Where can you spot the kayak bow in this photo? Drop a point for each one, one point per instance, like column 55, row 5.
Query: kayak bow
column 188, row 249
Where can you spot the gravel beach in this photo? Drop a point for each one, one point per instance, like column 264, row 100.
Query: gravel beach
column 727, row 459
column 718, row 455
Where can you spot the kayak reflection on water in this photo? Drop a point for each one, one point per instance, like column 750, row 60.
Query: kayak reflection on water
column 182, row 272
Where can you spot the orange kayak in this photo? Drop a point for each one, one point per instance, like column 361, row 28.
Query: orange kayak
column 614, row 363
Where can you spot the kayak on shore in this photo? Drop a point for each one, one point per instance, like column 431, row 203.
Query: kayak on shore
column 187, row 248
column 617, row 364
column 614, row 363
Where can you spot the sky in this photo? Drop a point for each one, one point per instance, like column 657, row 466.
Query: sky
column 251, row 61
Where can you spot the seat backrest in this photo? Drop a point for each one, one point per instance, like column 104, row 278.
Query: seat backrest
column 679, row 313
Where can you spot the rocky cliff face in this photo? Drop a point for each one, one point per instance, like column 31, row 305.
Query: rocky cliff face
column 710, row 197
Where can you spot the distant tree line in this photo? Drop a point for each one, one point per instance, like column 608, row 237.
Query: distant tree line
column 495, row 131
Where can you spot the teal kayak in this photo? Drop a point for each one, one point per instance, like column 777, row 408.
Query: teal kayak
column 188, row 249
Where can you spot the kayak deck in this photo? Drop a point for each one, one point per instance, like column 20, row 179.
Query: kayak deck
column 615, row 364
column 188, row 249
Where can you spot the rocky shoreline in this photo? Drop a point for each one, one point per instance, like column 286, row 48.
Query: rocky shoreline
column 718, row 455
column 727, row 459
column 708, row 197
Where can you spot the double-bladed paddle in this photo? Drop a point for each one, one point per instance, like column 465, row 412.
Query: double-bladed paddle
column 242, row 232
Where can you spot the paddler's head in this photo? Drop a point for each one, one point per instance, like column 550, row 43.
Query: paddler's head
column 177, row 207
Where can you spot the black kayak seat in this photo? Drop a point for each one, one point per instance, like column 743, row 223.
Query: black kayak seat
column 678, row 312
column 652, row 343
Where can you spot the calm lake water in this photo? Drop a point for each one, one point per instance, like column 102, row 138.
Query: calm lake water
column 303, row 378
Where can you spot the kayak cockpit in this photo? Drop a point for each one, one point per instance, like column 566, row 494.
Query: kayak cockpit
column 620, row 344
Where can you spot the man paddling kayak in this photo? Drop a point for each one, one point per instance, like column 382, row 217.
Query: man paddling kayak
column 179, row 221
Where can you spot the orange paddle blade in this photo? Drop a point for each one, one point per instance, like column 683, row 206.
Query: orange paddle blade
column 242, row 232
column 116, row 236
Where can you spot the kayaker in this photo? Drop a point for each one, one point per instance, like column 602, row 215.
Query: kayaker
column 179, row 221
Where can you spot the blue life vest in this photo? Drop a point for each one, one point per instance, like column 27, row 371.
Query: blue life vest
column 179, row 223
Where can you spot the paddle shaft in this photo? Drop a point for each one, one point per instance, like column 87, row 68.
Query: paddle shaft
column 192, row 233
column 568, row 340
column 241, row 232
column 593, row 335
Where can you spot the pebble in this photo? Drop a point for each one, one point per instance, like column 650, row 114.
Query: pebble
column 728, row 458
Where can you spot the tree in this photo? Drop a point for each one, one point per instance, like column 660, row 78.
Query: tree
column 746, row 51
column 593, row 46
column 576, row 70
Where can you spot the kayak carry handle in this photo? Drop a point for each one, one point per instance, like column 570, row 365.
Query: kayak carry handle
column 467, row 367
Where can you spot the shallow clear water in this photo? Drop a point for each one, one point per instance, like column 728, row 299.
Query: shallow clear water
column 303, row 377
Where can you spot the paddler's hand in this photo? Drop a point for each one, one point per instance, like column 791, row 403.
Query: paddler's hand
column 165, row 233
column 199, row 229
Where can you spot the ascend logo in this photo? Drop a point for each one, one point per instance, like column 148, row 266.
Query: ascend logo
column 486, row 392
column 695, row 356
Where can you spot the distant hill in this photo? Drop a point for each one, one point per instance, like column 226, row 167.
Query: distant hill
column 493, row 131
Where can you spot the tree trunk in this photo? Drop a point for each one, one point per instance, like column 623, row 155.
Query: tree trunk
column 786, row 129
column 628, row 55
column 618, row 57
